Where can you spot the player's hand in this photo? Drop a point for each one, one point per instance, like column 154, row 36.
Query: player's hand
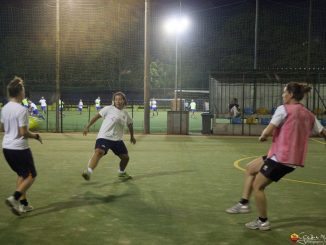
column 38, row 137
column 262, row 138
column 85, row 131
column 133, row 140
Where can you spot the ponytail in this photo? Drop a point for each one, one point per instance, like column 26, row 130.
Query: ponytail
column 299, row 90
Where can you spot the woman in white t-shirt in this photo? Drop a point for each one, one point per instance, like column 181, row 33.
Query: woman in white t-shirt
column 14, row 123
column 110, row 135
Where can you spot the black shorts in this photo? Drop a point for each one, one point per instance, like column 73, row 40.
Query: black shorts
column 118, row 147
column 274, row 170
column 21, row 161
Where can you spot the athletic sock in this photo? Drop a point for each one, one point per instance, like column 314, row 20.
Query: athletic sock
column 17, row 195
column 89, row 170
column 121, row 172
column 262, row 219
column 24, row 202
column 244, row 201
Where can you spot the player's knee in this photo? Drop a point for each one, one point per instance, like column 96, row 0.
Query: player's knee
column 30, row 176
column 99, row 152
column 258, row 186
column 124, row 157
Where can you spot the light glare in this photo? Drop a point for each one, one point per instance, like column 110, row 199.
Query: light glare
column 177, row 25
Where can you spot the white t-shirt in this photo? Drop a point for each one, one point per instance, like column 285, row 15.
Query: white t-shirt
column 33, row 106
column 114, row 121
column 193, row 105
column 80, row 104
column 14, row 116
column 154, row 104
column 43, row 102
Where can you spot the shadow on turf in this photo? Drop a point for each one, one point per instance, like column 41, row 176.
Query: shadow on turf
column 148, row 175
column 156, row 174
column 86, row 199
column 299, row 221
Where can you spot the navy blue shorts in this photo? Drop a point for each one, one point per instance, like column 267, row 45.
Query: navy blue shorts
column 118, row 147
column 21, row 161
column 274, row 170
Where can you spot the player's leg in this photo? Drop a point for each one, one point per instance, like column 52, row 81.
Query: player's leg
column 22, row 163
column 120, row 149
column 93, row 162
column 124, row 159
column 269, row 172
column 23, row 185
column 252, row 169
column 259, row 185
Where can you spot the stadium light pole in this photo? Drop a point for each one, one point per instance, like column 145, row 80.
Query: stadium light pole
column 57, row 67
column 146, row 68
column 177, row 26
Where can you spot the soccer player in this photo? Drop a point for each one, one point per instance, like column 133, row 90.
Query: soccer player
column 110, row 135
column 98, row 103
column 25, row 102
column 193, row 108
column 14, row 123
column 34, row 111
column 43, row 104
column 291, row 126
column 61, row 104
column 80, row 106
column 234, row 108
column 153, row 106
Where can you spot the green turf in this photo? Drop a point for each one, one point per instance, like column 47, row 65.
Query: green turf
column 73, row 121
column 181, row 187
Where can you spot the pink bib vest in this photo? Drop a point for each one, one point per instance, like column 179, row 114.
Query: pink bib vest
column 290, row 139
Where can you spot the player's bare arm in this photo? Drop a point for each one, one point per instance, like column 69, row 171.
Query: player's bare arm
column 23, row 131
column 268, row 131
column 92, row 121
column 131, row 131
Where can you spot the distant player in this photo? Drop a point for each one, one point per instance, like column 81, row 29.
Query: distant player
column 14, row 123
column 25, row 102
column 110, row 135
column 153, row 106
column 34, row 111
column 61, row 104
column 291, row 126
column 193, row 108
column 43, row 104
column 234, row 108
column 80, row 106
column 98, row 103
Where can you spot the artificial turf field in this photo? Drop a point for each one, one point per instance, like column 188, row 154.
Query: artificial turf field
column 73, row 121
column 180, row 189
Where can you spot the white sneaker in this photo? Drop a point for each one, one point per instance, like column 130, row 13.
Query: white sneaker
column 238, row 209
column 15, row 206
column 27, row 208
column 258, row 224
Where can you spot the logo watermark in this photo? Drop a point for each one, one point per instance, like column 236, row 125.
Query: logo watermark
column 303, row 238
